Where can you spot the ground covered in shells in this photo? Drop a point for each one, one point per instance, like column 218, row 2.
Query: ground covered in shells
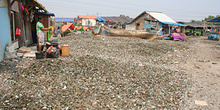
column 102, row 73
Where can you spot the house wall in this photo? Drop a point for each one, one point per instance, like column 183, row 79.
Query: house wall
column 28, row 32
column 19, row 24
column 3, row 3
column 159, row 27
column 4, row 29
column 139, row 22
column 130, row 27
column 79, row 22
column 88, row 22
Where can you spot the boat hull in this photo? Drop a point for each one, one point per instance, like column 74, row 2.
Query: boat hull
column 133, row 33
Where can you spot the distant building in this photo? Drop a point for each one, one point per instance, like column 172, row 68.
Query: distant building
column 64, row 20
column 86, row 20
column 199, row 26
column 149, row 20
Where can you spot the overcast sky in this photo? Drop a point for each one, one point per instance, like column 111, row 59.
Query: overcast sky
column 179, row 10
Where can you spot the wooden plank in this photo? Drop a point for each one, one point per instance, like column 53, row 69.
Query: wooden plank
column 30, row 8
column 157, row 26
column 141, row 24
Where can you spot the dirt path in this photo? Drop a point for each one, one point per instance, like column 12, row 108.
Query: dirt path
column 204, row 69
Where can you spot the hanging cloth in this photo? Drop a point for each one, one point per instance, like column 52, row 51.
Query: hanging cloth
column 21, row 9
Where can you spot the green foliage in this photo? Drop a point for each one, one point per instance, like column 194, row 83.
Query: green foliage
column 206, row 18
column 124, row 16
column 209, row 18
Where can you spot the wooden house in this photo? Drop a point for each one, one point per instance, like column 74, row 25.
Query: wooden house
column 149, row 20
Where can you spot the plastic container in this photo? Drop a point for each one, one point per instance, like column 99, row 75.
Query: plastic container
column 65, row 50
column 39, row 55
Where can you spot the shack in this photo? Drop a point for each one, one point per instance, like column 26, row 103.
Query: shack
column 195, row 28
column 217, row 22
column 149, row 20
column 18, row 23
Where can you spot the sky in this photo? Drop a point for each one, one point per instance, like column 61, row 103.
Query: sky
column 179, row 10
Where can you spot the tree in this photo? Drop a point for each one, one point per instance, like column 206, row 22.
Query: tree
column 206, row 18
column 194, row 21
column 210, row 17
column 124, row 16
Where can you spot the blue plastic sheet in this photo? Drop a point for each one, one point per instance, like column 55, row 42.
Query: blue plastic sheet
column 213, row 37
column 215, row 20
column 100, row 19
column 178, row 24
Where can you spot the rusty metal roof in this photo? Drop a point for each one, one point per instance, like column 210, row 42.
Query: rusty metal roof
column 87, row 16
column 115, row 19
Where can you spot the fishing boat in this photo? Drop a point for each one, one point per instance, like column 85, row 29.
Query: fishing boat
column 132, row 33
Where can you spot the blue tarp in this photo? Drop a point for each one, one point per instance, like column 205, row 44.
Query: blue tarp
column 50, row 14
column 178, row 24
column 213, row 37
column 100, row 19
column 215, row 20
column 64, row 20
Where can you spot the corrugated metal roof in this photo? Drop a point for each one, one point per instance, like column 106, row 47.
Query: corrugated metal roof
column 215, row 20
column 114, row 19
column 161, row 17
column 87, row 16
column 45, row 13
column 157, row 15
column 41, row 6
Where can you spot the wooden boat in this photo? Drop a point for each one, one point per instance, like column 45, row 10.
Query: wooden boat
column 132, row 33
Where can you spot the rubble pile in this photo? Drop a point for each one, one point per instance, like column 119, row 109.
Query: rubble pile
column 103, row 73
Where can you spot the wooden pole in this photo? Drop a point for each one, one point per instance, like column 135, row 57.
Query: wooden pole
column 218, row 33
column 157, row 25
column 169, row 28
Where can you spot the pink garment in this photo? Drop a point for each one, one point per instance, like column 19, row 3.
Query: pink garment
column 21, row 7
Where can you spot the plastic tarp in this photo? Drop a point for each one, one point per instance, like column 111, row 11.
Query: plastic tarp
column 178, row 24
column 100, row 19
column 64, row 20
column 177, row 36
column 49, row 14
column 67, row 26
column 215, row 20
